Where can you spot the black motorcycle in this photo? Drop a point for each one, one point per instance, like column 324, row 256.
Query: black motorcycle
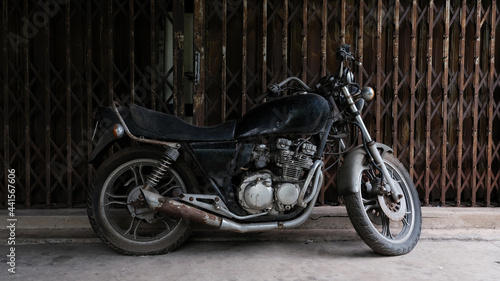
column 262, row 172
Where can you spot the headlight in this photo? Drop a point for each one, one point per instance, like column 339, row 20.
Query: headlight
column 367, row 93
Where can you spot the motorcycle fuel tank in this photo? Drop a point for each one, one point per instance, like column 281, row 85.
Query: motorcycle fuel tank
column 298, row 114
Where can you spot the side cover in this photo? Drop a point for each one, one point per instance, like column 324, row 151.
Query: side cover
column 298, row 114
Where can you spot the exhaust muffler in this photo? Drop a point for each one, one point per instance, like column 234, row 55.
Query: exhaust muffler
column 178, row 209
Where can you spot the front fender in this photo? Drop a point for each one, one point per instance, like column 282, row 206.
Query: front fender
column 349, row 176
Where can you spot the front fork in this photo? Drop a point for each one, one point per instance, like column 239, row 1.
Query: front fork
column 395, row 189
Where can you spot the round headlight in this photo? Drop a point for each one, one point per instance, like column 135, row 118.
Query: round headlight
column 367, row 93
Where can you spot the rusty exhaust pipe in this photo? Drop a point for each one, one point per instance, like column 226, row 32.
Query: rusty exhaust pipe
column 171, row 207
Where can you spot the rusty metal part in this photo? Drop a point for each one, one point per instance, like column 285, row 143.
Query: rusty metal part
column 199, row 46
column 43, row 91
column 171, row 207
column 179, row 209
column 461, row 86
column 446, row 89
column 429, row 101
column 171, row 144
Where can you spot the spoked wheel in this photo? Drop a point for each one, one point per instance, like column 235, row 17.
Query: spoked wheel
column 387, row 227
column 119, row 215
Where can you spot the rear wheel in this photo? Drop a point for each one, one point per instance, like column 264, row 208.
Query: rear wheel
column 366, row 211
column 121, row 219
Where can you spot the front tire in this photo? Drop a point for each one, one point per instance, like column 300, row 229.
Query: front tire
column 121, row 219
column 383, row 235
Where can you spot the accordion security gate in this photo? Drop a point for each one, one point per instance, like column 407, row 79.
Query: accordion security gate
column 432, row 65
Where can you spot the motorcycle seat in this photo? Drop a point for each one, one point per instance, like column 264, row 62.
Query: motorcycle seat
column 153, row 124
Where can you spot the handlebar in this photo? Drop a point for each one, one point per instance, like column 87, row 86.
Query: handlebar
column 275, row 90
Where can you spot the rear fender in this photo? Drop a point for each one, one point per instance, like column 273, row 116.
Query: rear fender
column 349, row 176
column 105, row 131
column 105, row 141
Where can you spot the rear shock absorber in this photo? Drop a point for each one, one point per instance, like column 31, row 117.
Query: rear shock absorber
column 169, row 156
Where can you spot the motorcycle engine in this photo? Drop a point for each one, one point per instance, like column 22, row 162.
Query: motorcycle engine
column 275, row 183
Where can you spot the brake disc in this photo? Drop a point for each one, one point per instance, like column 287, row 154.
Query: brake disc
column 395, row 211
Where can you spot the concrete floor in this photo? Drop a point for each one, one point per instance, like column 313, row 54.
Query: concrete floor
column 254, row 260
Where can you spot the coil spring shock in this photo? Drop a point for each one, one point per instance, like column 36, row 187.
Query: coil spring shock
column 169, row 156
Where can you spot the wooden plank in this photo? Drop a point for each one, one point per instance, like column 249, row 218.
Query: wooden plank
column 444, row 132
column 199, row 37
column 461, row 85
column 178, row 29
column 489, row 149
column 69, row 167
column 395, row 72
column 428, row 102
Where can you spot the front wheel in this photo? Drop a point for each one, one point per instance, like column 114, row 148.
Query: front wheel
column 383, row 235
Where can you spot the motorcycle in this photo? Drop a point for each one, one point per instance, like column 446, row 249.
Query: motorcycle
column 262, row 172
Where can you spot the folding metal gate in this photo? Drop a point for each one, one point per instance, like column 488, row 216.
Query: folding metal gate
column 431, row 63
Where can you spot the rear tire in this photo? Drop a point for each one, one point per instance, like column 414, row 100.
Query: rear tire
column 383, row 235
column 120, row 219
